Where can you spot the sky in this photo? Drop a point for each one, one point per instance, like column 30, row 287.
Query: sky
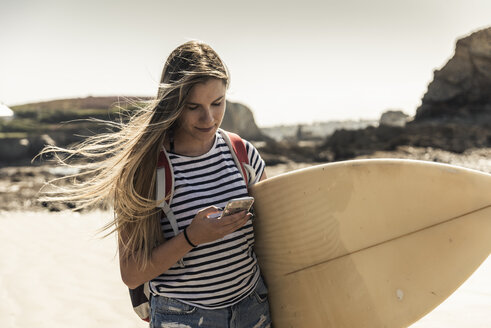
column 290, row 61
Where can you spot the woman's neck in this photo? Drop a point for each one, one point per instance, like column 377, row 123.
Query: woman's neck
column 186, row 146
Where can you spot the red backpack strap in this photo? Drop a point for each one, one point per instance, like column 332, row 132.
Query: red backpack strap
column 240, row 151
column 239, row 147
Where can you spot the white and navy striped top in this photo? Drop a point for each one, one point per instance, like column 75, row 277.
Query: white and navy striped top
column 220, row 273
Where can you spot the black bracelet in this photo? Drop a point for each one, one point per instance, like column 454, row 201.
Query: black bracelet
column 187, row 238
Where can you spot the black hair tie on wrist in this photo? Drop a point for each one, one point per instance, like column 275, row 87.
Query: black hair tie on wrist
column 187, row 238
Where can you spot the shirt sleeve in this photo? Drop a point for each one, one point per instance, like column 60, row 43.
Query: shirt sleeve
column 255, row 161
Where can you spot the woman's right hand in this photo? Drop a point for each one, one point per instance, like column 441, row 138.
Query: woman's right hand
column 204, row 229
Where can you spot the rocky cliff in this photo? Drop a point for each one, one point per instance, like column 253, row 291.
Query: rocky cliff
column 240, row 119
column 462, row 88
column 455, row 114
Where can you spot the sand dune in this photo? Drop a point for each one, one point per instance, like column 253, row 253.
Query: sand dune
column 55, row 271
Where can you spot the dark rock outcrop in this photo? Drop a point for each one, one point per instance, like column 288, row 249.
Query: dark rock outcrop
column 394, row 118
column 240, row 119
column 450, row 136
column 462, row 88
column 455, row 114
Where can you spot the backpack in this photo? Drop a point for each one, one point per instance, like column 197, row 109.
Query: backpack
column 165, row 188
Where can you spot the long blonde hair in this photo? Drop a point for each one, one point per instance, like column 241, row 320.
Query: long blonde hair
column 121, row 166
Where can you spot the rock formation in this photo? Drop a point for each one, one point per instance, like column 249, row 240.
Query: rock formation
column 462, row 88
column 239, row 119
column 455, row 114
column 394, row 118
column 450, row 136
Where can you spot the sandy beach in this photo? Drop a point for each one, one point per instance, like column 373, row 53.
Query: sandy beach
column 56, row 271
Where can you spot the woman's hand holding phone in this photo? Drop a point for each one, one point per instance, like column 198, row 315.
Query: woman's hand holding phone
column 238, row 205
column 204, row 228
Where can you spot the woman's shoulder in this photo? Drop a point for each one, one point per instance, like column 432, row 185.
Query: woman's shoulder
column 232, row 136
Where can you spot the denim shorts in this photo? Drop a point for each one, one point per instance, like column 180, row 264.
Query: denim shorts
column 252, row 311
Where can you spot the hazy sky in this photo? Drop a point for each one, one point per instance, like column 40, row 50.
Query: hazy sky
column 290, row 61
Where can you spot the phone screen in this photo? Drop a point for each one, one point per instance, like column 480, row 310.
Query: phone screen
column 238, row 205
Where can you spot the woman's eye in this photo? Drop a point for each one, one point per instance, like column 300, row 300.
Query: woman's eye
column 192, row 107
column 217, row 104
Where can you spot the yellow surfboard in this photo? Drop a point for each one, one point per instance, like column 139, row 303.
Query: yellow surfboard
column 369, row 243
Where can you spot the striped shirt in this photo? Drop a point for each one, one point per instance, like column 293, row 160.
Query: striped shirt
column 220, row 273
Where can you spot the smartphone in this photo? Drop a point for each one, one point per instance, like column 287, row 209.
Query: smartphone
column 233, row 206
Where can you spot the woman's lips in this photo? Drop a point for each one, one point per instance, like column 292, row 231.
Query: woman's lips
column 205, row 129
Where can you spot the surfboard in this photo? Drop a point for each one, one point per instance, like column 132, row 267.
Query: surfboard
column 369, row 243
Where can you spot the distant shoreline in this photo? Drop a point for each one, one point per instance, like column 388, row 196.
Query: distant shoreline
column 20, row 185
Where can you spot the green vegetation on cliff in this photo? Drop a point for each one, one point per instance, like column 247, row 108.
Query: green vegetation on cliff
column 75, row 113
column 62, row 122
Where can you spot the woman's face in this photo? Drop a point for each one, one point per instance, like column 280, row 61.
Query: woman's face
column 203, row 112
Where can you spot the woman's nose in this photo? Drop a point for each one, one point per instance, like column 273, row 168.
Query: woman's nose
column 207, row 115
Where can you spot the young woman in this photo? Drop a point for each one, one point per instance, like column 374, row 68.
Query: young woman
column 218, row 282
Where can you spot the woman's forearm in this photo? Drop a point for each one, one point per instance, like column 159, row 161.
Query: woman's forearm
column 163, row 257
